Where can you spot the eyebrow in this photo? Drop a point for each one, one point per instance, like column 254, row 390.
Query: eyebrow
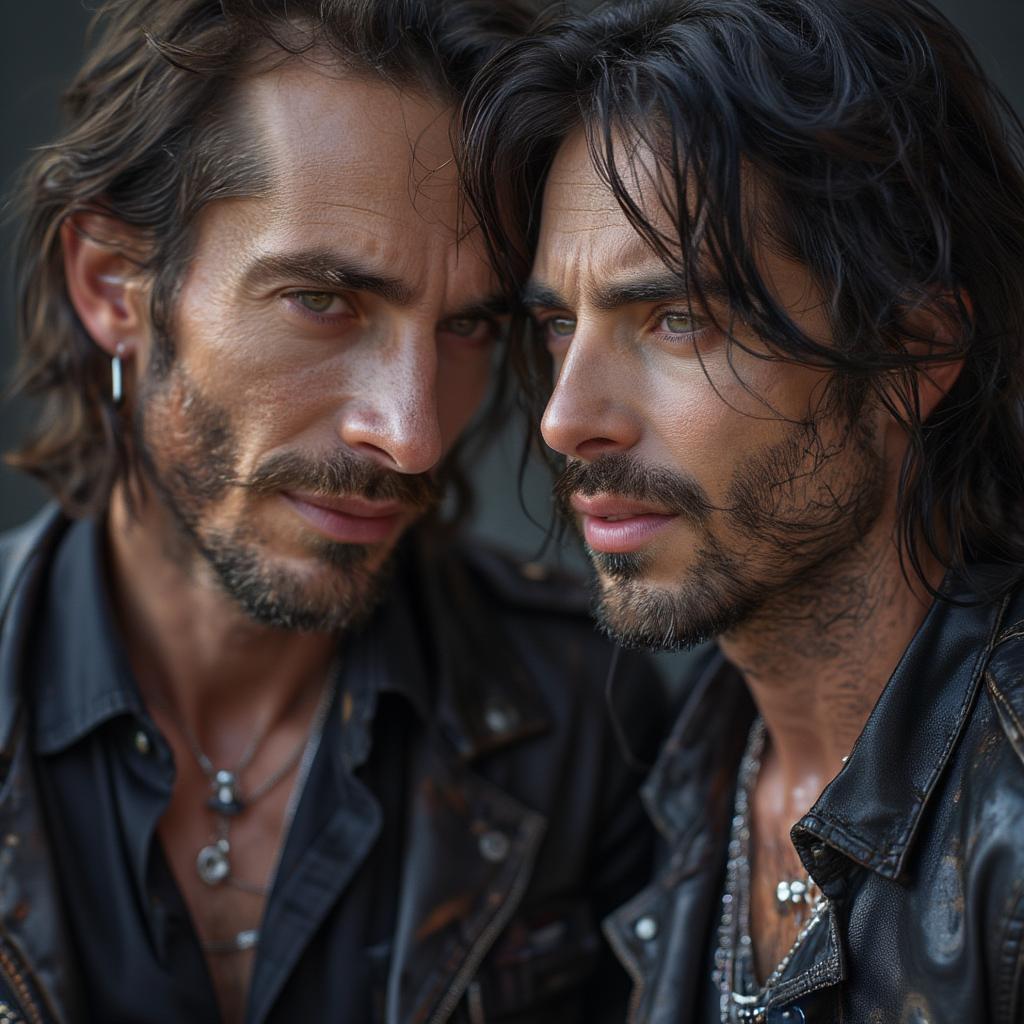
column 329, row 270
column 494, row 305
column 608, row 297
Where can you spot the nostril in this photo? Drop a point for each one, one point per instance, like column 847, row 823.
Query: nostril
column 595, row 446
column 376, row 453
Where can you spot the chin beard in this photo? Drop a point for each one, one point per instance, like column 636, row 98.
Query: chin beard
column 344, row 583
column 784, row 550
column 277, row 598
column 712, row 600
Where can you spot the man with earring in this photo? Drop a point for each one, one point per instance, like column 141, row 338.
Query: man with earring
column 274, row 746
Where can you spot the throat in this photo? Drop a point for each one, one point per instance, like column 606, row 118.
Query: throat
column 817, row 659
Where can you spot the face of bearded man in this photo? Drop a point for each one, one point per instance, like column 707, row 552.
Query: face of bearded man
column 706, row 478
column 330, row 342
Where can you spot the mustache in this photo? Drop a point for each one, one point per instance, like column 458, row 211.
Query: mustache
column 341, row 474
column 628, row 477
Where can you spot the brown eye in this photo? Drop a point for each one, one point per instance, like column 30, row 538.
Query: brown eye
column 463, row 326
column 475, row 329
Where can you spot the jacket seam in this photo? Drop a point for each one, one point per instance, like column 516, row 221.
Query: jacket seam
column 1004, row 704
column 1011, row 962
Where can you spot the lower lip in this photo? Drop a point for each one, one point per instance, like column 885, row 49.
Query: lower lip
column 343, row 527
column 622, row 535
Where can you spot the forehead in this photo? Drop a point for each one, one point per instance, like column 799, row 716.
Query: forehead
column 355, row 161
column 583, row 229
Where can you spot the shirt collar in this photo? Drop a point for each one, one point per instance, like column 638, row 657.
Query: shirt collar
column 83, row 671
column 83, row 677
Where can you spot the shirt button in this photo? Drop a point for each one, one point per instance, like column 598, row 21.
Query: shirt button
column 494, row 846
column 142, row 742
column 499, row 719
column 645, row 929
column 791, row 1015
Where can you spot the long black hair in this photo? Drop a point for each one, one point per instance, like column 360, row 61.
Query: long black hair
column 887, row 164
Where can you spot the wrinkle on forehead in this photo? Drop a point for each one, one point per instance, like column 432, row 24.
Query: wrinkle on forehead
column 583, row 228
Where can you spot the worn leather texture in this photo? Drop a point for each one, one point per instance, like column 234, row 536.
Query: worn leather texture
column 918, row 842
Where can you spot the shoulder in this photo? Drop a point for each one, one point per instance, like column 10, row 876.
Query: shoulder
column 547, row 609
column 1004, row 678
column 19, row 546
column 535, row 620
column 523, row 585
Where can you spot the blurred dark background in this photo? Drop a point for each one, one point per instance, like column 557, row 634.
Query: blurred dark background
column 40, row 46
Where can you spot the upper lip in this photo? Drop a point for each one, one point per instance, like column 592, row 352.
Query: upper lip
column 604, row 505
column 350, row 504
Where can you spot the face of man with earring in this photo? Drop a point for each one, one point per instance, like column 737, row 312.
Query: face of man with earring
column 330, row 339
column 708, row 479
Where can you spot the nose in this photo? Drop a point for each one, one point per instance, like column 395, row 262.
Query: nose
column 589, row 412
column 394, row 419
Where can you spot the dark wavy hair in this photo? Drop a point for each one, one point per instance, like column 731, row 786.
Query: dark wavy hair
column 150, row 141
column 887, row 164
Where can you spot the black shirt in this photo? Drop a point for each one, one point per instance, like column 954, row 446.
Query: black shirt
column 106, row 776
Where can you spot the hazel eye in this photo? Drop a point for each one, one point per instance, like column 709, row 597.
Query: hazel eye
column 320, row 303
column 561, row 326
column 678, row 323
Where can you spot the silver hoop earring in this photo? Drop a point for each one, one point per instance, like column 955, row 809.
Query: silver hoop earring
column 117, row 378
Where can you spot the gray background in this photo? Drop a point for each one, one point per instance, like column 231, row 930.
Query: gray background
column 42, row 43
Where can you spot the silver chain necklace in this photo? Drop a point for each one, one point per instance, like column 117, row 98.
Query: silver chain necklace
column 213, row 862
column 734, row 954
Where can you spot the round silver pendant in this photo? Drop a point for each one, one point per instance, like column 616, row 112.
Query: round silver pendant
column 212, row 862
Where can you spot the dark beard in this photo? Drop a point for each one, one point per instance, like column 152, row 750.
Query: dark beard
column 201, row 472
column 793, row 544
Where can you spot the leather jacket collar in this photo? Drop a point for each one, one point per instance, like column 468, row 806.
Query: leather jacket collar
column 921, row 741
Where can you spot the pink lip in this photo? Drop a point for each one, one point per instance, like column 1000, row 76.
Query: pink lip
column 640, row 523
column 350, row 520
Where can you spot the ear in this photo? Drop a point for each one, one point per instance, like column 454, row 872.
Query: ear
column 937, row 332
column 101, row 267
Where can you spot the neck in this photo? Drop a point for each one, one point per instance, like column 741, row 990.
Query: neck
column 189, row 644
column 817, row 658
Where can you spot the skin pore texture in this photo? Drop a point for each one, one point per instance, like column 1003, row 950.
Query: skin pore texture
column 722, row 493
column 330, row 341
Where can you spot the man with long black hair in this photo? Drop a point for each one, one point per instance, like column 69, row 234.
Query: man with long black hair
column 779, row 273
column 274, row 745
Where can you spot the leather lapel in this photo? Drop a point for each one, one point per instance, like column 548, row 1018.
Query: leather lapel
column 30, row 918
column 468, row 863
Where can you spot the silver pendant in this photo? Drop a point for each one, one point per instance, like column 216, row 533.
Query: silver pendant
column 792, row 893
column 212, row 862
column 226, row 799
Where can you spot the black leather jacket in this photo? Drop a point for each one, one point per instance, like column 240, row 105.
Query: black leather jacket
column 919, row 843
column 523, row 748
